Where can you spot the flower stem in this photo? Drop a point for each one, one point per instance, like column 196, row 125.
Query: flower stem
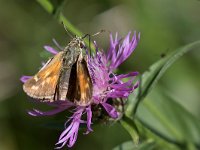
column 48, row 6
column 56, row 13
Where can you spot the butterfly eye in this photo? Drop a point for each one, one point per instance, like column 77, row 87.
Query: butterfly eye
column 82, row 45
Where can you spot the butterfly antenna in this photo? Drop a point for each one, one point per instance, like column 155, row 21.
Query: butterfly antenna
column 89, row 38
column 101, row 31
column 67, row 31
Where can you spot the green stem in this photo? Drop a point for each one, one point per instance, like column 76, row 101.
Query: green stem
column 69, row 26
column 48, row 6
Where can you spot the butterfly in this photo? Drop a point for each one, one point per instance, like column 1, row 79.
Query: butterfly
column 63, row 77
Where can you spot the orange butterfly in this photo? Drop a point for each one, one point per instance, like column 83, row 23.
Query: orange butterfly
column 65, row 76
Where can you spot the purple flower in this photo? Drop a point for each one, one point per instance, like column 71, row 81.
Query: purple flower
column 108, row 87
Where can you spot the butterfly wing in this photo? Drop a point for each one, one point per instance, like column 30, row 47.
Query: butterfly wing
column 80, row 84
column 43, row 84
column 84, row 86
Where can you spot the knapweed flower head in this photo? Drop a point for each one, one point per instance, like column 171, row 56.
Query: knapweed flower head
column 109, row 89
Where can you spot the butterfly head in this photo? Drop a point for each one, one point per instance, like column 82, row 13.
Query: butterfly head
column 78, row 42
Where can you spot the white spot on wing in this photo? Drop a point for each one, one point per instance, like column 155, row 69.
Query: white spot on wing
column 48, row 80
column 47, row 74
column 36, row 78
column 34, row 87
column 43, row 83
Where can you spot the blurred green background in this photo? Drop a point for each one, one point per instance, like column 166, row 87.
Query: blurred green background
column 25, row 27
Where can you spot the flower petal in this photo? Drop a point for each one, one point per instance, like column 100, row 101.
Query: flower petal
column 127, row 75
column 37, row 113
column 110, row 110
column 50, row 49
column 69, row 135
column 58, row 45
column 89, row 119
column 25, row 78
column 118, row 54
column 60, row 106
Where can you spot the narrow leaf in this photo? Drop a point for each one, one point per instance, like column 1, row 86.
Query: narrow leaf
column 168, row 119
column 149, row 78
column 131, row 128
column 148, row 145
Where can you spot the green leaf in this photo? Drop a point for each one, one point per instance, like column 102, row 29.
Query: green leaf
column 131, row 128
column 149, row 78
column 129, row 145
column 168, row 119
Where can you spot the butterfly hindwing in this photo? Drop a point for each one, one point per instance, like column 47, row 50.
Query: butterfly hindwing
column 80, row 84
column 84, row 86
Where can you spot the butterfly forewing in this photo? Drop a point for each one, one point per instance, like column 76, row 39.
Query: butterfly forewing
column 43, row 84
